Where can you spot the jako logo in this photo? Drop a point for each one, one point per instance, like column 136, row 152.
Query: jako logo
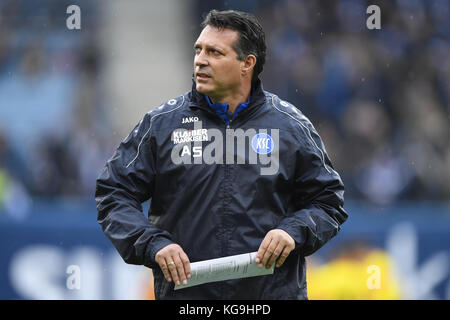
column 189, row 119
column 262, row 143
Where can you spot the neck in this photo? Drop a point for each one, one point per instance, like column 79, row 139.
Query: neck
column 233, row 99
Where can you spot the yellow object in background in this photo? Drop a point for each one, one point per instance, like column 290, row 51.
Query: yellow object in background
column 4, row 180
column 362, row 274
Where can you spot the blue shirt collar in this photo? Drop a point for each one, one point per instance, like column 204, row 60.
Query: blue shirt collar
column 222, row 109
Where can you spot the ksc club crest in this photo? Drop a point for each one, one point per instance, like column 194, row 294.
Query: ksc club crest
column 262, row 143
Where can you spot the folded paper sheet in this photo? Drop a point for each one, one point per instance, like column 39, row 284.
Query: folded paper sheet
column 226, row 268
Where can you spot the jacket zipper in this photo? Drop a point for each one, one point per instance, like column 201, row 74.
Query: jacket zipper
column 227, row 126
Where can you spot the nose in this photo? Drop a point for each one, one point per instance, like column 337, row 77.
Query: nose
column 200, row 59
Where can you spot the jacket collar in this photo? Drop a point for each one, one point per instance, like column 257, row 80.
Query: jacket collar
column 257, row 98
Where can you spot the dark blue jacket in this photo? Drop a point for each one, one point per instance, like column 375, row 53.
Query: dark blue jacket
column 216, row 189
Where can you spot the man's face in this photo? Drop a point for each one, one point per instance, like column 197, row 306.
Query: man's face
column 217, row 70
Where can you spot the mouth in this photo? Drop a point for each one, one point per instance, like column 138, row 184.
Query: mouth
column 202, row 76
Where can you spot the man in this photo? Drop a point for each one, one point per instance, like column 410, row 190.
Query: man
column 274, row 192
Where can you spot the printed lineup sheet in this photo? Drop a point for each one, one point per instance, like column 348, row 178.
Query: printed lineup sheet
column 226, row 268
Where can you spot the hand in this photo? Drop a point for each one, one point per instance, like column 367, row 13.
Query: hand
column 276, row 244
column 174, row 263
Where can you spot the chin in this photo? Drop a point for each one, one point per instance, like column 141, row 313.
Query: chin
column 202, row 88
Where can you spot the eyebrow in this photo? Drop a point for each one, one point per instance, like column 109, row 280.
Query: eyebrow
column 198, row 45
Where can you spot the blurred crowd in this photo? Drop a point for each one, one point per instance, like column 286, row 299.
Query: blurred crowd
column 379, row 98
column 53, row 135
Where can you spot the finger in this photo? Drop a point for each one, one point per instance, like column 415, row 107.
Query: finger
column 173, row 269
column 270, row 250
column 165, row 269
column 276, row 253
column 283, row 256
column 180, row 270
column 262, row 250
column 186, row 264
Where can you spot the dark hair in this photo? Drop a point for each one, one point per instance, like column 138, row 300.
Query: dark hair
column 251, row 34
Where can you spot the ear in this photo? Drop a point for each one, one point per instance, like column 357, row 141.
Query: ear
column 248, row 64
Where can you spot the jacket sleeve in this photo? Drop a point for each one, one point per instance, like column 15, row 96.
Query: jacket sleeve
column 317, row 209
column 126, row 181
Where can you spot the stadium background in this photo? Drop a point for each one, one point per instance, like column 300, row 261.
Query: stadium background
column 379, row 99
